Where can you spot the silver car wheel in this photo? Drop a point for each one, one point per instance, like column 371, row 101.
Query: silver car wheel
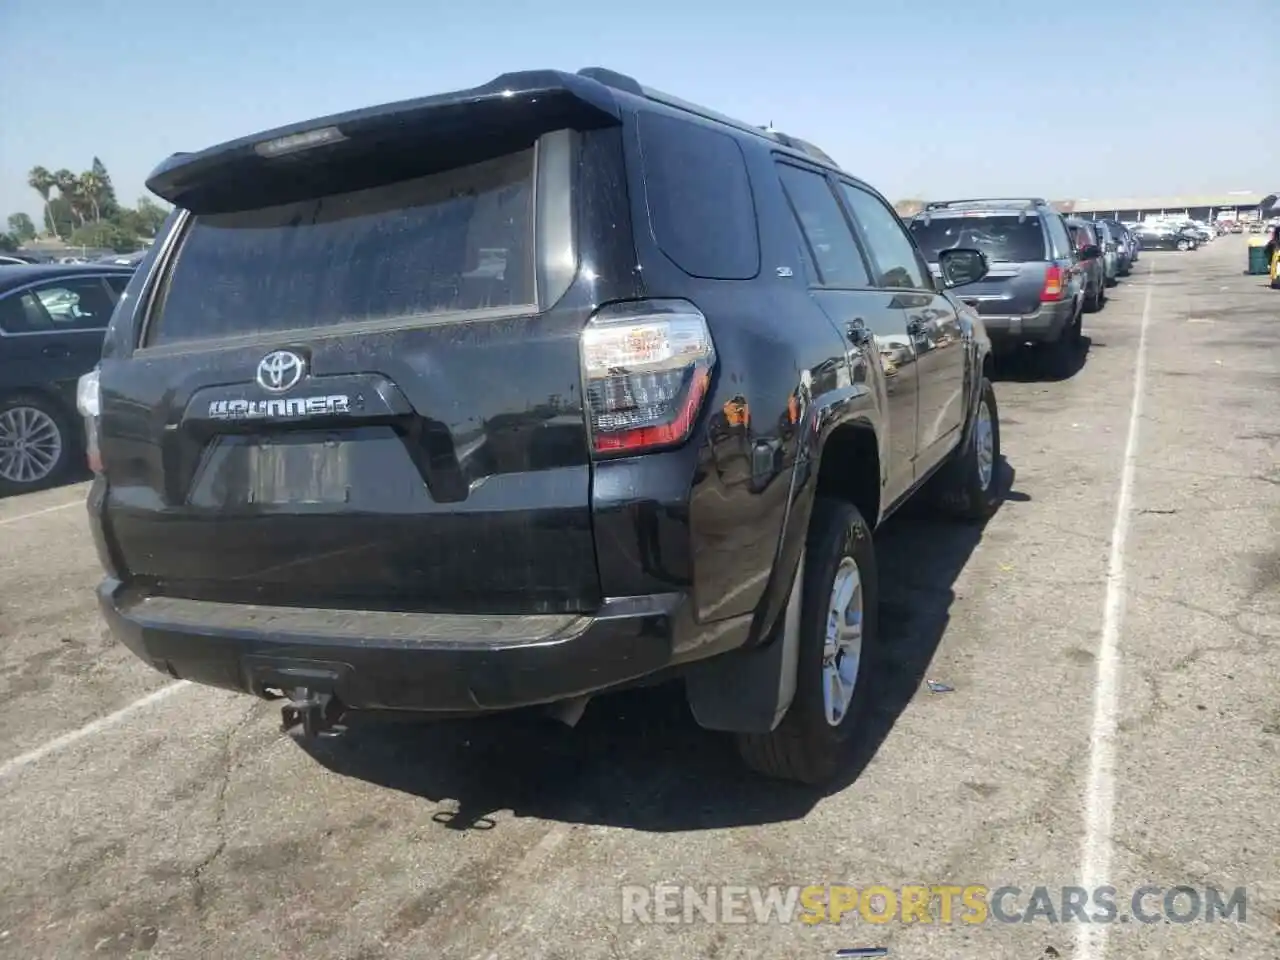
column 842, row 649
column 30, row 445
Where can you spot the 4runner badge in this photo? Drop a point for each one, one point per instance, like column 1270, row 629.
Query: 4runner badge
column 272, row 409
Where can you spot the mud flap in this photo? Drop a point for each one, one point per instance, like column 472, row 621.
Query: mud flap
column 751, row 691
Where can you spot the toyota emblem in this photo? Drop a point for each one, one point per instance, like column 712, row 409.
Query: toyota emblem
column 280, row 370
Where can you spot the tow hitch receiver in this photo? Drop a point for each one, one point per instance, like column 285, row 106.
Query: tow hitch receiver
column 317, row 713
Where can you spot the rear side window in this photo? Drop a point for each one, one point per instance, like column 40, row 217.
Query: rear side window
column 1058, row 237
column 831, row 255
column 22, row 313
column 455, row 241
column 1082, row 234
column 701, row 211
column 1079, row 237
column 76, row 303
column 1010, row 238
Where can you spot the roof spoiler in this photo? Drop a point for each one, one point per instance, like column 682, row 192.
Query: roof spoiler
column 279, row 165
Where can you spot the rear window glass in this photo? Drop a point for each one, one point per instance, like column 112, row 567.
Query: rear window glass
column 454, row 241
column 1082, row 234
column 1000, row 238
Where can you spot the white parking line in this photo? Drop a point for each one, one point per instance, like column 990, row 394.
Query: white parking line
column 1100, row 790
column 37, row 513
column 20, row 762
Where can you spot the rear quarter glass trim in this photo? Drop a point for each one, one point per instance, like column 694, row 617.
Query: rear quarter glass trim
column 551, row 252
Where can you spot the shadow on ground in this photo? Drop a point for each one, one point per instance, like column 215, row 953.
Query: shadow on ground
column 77, row 474
column 1034, row 365
column 636, row 759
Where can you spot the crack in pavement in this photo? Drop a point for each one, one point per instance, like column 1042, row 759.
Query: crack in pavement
column 1229, row 620
column 1178, row 870
column 198, row 891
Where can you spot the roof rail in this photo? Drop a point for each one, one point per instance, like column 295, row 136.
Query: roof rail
column 985, row 201
column 628, row 84
column 801, row 146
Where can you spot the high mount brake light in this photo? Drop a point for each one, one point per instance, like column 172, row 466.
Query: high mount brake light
column 298, row 141
column 647, row 368
column 1053, row 288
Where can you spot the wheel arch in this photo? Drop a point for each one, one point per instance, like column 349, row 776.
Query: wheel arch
column 750, row 690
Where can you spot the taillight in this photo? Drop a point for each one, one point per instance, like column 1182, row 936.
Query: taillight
column 89, row 403
column 646, row 367
column 1053, row 287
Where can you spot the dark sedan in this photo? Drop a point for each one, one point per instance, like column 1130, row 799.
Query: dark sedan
column 1163, row 238
column 52, row 321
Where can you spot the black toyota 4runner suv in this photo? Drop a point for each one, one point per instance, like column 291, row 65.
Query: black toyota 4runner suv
column 514, row 395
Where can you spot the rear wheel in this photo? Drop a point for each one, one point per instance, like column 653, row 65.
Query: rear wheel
column 838, row 622
column 968, row 487
column 1183, row 245
column 37, row 446
column 1060, row 356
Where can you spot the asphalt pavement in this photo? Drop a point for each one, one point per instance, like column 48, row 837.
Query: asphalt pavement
column 1109, row 650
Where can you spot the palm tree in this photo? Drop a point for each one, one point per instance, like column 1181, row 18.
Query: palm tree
column 69, row 189
column 92, row 187
column 41, row 181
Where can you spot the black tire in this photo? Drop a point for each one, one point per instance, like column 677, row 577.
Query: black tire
column 1183, row 245
column 1091, row 302
column 960, row 487
column 805, row 747
column 69, row 443
column 1059, row 357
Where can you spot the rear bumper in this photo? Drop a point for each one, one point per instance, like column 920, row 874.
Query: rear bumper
column 1043, row 326
column 400, row 661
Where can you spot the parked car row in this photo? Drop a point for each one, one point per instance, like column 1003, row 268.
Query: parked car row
column 1177, row 233
column 1046, row 269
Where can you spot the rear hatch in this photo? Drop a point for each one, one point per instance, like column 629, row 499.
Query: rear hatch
column 354, row 377
column 1015, row 247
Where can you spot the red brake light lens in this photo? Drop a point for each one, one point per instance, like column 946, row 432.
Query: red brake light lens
column 1052, row 285
column 646, row 370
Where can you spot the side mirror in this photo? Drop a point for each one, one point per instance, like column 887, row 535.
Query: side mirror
column 959, row 266
column 1090, row 252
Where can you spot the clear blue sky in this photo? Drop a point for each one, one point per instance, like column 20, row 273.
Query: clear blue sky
column 920, row 97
